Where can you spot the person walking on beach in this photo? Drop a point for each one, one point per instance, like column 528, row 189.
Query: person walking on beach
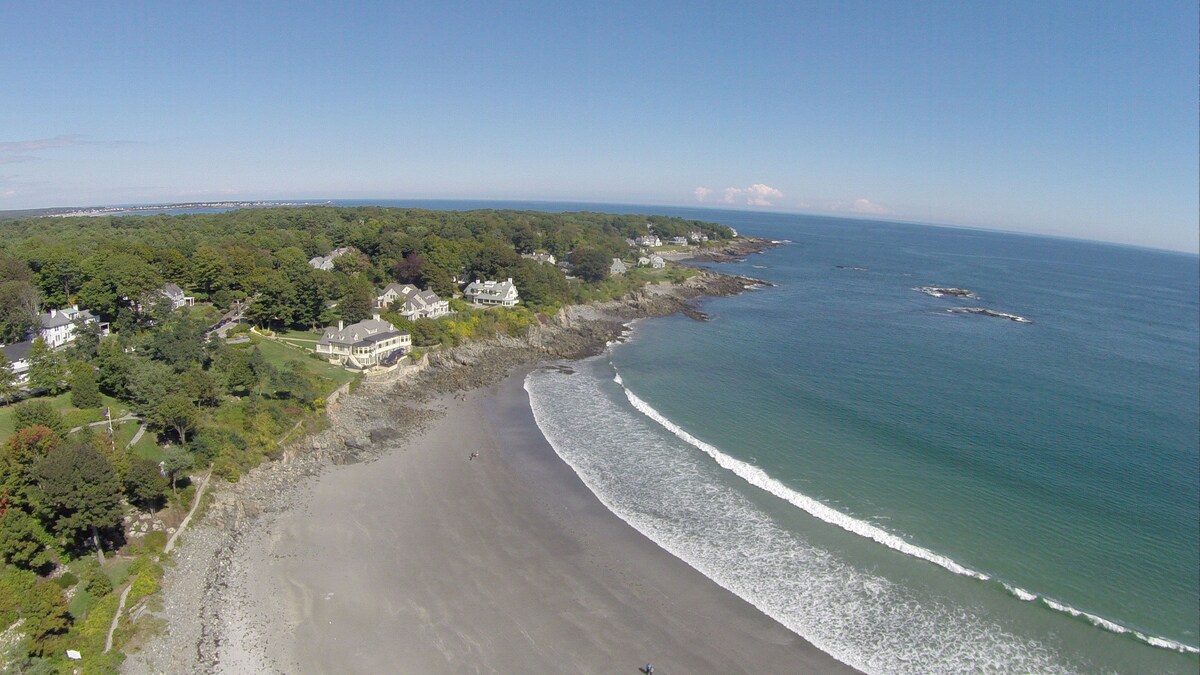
column 649, row 669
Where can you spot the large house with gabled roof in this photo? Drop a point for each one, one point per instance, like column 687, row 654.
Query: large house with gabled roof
column 366, row 344
column 412, row 302
column 503, row 293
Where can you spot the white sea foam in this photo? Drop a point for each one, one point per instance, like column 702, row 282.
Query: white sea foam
column 1021, row 593
column 1114, row 627
column 761, row 479
column 650, row 479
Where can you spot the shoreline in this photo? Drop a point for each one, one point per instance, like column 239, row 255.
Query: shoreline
column 211, row 626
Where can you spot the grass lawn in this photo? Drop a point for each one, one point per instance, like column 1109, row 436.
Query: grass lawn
column 71, row 415
column 280, row 355
column 147, row 447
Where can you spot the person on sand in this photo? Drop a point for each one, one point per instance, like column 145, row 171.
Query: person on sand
column 649, row 669
column 474, row 455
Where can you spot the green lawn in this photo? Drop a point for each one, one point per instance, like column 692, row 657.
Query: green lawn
column 71, row 415
column 280, row 355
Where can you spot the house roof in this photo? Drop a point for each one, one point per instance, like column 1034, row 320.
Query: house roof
column 493, row 288
column 17, row 351
column 361, row 333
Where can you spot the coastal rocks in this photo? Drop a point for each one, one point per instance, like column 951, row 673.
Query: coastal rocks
column 982, row 311
column 942, row 292
column 733, row 251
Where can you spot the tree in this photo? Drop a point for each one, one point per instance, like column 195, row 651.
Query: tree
column 18, row 309
column 59, row 273
column 47, row 368
column 78, row 492
column 144, row 483
column 39, row 412
column 45, row 614
column 87, row 339
column 23, row 541
column 177, row 412
column 176, row 460
column 202, row 386
column 116, row 369
column 19, row 459
column 117, row 280
column 358, row 301
column 180, row 342
column 591, row 264
column 85, row 393
column 9, row 387
column 408, row 269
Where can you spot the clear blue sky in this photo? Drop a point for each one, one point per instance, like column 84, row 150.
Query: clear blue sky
column 1071, row 118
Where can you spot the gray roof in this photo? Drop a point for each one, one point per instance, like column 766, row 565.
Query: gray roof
column 17, row 351
column 361, row 333
column 493, row 288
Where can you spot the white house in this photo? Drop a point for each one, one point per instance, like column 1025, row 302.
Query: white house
column 414, row 303
column 679, row 241
column 176, row 295
column 643, row 261
column 697, row 236
column 492, row 292
column 617, row 267
column 649, row 240
column 364, row 344
column 18, row 359
column 657, row 262
column 325, row 262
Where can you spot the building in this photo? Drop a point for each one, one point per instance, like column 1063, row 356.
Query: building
column 365, row 344
column 697, row 236
column 617, row 267
column 325, row 262
column 58, row 325
column 492, row 293
column 540, row 258
column 176, row 295
column 412, row 302
column 18, row 359
column 657, row 262
column 649, row 240
column 643, row 261
column 679, row 241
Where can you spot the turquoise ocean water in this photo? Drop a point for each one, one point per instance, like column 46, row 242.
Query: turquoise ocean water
column 914, row 490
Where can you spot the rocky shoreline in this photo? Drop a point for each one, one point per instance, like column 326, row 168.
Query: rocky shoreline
column 197, row 609
column 733, row 250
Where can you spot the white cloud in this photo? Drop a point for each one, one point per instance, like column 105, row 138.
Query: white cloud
column 866, row 206
column 755, row 195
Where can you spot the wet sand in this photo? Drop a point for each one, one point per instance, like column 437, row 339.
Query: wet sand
column 428, row 561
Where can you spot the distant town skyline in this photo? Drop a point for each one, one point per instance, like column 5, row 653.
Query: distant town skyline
column 1069, row 119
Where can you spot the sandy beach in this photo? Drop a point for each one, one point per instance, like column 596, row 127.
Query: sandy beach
column 426, row 560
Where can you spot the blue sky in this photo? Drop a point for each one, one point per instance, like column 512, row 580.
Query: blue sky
column 1077, row 119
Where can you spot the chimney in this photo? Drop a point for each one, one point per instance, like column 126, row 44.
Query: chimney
column 53, row 313
column 339, row 325
column 510, row 281
column 375, row 315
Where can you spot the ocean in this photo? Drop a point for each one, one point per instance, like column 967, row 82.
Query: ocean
column 908, row 488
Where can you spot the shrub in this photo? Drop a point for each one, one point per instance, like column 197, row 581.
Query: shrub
column 66, row 581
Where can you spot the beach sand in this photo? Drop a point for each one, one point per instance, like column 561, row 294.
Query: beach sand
column 427, row 561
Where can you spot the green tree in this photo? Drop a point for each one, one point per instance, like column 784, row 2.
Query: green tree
column 38, row 412
column 117, row 280
column 356, row 304
column 202, row 386
column 19, row 459
column 87, row 339
column 24, row 542
column 116, row 369
column 177, row 412
column 46, row 616
column 85, row 393
column 176, row 460
column 144, row 483
column 9, row 387
column 78, row 493
column 591, row 264
column 59, row 274
column 47, row 368
column 180, row 342
column 18, row 309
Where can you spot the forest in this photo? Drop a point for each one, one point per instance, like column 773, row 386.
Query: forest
column 111, row 425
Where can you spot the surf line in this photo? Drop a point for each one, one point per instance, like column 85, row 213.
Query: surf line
column 762, row 480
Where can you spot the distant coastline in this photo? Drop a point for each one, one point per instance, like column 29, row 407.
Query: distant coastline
column 117, row 210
